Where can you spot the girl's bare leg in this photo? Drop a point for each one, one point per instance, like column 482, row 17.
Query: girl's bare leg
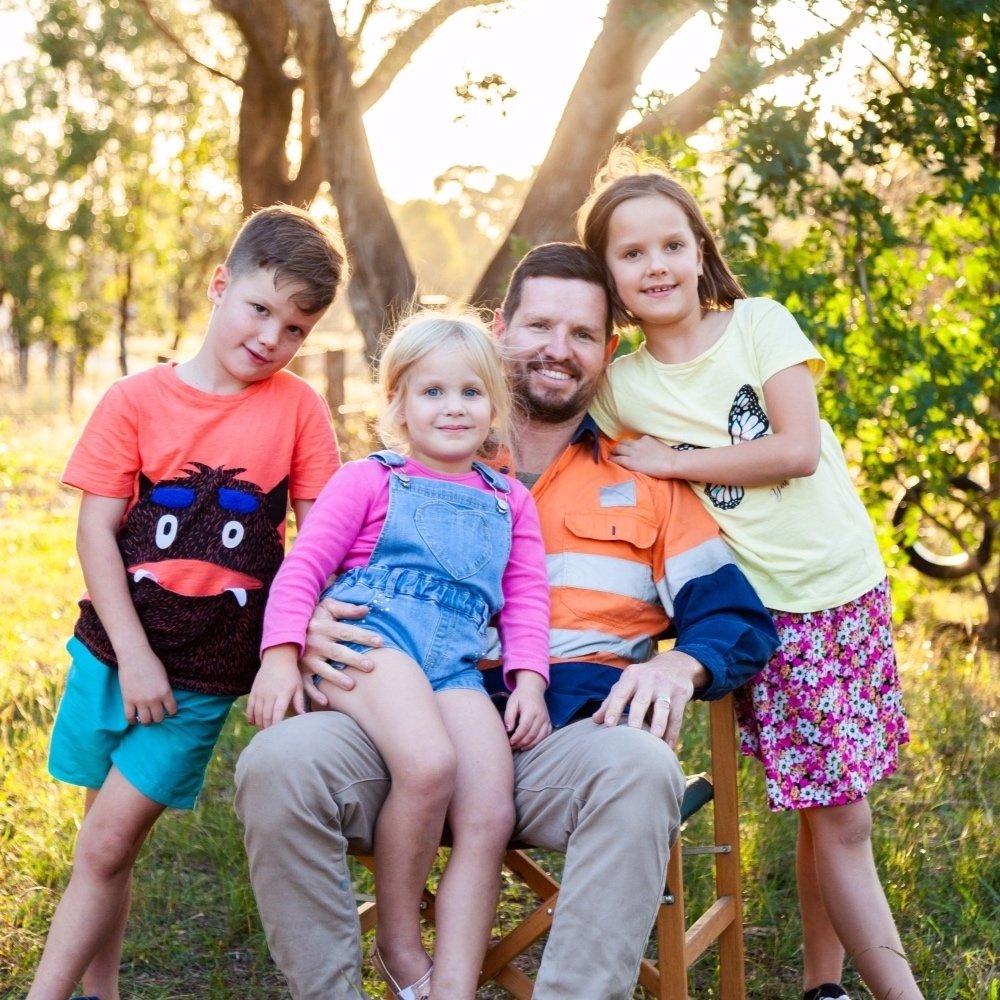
column 855, row 901
column 85, row 939
column 395, row 706
column 481, row 817
column 823, row 954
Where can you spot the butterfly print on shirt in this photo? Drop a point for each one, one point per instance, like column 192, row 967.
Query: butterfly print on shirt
column 747, row 422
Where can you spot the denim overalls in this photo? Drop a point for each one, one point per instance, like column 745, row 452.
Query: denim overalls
column 433, row 581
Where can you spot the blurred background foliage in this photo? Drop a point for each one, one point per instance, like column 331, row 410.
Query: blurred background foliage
column 134, row 135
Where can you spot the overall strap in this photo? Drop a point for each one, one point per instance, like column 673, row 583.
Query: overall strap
column 496, row 482
column 390, row 459
column 394, row 462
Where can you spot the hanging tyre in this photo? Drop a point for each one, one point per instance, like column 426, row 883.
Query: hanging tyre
column 945, row 537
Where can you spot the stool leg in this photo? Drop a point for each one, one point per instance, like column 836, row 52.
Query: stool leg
column 732, row 971
column 670, row 934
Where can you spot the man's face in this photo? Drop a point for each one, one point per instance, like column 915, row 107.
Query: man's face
column 554, row 347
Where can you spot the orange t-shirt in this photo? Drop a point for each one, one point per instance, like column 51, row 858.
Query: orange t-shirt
column 208, row 479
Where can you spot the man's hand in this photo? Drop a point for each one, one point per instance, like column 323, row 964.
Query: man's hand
column 327, row 630
column 663, row 685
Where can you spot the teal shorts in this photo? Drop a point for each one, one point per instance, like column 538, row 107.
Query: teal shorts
column 166, row 761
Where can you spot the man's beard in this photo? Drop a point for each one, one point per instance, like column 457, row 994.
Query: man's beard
column 548, row 406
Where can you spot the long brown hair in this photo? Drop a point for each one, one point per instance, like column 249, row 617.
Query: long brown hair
column 625, row 176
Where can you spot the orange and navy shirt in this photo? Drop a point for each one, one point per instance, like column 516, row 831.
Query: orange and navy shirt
column 628, row 558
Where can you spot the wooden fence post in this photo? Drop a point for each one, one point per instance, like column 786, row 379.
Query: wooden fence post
column 336, row 364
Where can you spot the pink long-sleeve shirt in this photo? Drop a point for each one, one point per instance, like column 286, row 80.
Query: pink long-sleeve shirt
column 340, row 533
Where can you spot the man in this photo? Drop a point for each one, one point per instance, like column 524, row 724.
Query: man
column 627, row 557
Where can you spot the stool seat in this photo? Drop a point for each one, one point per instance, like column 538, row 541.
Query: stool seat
column 678, row 945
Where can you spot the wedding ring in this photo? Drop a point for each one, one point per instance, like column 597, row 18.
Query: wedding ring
column 666, row 701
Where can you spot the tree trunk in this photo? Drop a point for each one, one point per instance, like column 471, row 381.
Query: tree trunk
column 633, row 32
column 23, row 353
column 266, row 104
column 382, row 287
column 71, row 362
column 124, row 307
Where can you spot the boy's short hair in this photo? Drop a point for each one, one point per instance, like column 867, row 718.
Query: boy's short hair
column 297, row 248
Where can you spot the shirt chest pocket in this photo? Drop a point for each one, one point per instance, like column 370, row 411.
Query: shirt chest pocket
column 614, row 525
column 607, row 555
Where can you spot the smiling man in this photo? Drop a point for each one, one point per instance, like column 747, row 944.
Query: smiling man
column 627, row 557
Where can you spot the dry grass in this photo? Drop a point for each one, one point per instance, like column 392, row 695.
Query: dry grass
column 195, row 931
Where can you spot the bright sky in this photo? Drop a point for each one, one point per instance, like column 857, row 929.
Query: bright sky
column 420, row 128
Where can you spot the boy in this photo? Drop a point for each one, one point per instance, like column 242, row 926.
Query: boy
column 186, row 472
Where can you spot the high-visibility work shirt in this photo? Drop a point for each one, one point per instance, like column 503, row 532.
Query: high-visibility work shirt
column 628, row 557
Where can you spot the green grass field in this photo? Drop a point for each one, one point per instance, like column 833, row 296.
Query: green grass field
column 194, row 931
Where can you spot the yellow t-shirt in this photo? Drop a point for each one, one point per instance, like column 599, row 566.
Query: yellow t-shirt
column 806, row 544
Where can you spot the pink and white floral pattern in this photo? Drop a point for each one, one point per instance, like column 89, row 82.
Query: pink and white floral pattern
column 825, row 717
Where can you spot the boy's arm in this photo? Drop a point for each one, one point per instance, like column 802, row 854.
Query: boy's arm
column 145, row 690
column 300, row 508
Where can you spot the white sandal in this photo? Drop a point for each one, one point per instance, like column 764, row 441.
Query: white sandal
column 420, row 990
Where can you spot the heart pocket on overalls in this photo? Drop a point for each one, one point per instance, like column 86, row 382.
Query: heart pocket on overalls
column 458, row 538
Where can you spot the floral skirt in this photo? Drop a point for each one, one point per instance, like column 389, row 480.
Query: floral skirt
column 825, row 716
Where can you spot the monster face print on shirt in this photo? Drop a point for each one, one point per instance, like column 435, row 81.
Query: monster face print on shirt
column 201, row 551
column 204, row 534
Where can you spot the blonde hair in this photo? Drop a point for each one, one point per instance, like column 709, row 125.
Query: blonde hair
column 414, row 339
column 626, row 175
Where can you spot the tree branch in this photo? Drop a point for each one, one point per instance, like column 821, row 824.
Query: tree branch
column 689, row 111
column 164, row 29
column 407, row 43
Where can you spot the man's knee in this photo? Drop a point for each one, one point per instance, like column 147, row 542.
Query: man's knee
column 627, row 777
column 634, row 762
column 303, row 764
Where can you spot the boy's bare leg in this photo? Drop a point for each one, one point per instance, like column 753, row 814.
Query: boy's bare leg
column 396, row 708
column 86, row 935
column 481, row 818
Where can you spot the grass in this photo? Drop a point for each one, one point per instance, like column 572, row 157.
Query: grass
column 195, row 932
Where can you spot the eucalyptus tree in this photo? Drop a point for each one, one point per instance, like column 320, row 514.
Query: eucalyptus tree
column 302, row 88
column 881, row 230
column 111, row 160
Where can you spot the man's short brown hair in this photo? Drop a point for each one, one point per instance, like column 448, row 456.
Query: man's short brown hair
column 556, row 260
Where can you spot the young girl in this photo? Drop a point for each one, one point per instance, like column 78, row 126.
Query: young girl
column 435, row 544
column 723, row 387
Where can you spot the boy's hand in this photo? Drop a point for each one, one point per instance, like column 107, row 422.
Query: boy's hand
column 276, row 687
column 526, row 718
column 146, row 693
